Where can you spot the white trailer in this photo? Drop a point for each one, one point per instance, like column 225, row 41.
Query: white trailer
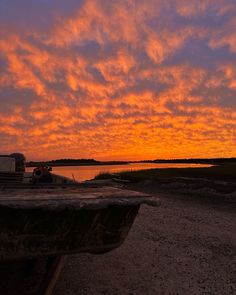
column 7, row 164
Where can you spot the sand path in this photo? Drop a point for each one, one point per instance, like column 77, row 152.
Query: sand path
column 183, row 247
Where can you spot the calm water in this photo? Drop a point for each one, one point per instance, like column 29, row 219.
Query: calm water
column 81, row 173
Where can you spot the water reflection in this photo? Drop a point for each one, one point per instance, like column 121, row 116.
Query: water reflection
column 81, row 173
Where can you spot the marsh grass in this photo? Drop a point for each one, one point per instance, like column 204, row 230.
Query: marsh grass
column 225, row 172
column 105, row 175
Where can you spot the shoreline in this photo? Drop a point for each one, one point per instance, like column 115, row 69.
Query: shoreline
column 35, row 164
column 92, row 162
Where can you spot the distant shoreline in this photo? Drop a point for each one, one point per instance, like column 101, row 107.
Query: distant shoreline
column 92, row 162
column 35, row 164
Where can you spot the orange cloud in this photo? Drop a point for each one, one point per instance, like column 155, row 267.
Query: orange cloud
column 120, row 80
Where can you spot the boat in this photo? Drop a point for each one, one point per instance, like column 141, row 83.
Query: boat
column 48, row 216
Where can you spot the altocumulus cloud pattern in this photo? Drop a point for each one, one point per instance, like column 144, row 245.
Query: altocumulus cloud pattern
column 118, row 79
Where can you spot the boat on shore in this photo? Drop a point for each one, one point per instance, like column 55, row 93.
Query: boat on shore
column 48, row 216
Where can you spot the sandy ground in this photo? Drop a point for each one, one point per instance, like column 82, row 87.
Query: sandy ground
column 186, row 246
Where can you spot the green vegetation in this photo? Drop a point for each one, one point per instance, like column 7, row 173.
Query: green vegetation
column 223, row 173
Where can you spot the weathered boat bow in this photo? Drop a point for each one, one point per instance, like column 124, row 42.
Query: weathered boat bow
column 44, row 216
column 49, row 221
column 53, row 221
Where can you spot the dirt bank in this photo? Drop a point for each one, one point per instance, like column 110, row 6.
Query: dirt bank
column 186, row 246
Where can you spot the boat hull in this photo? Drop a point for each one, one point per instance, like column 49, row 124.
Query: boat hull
column 41, row 225
column 33, row 233
column 54, row 221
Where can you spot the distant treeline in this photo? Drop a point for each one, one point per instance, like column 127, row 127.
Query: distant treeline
column 84, row 162
column 195, row 161
column 73, row 162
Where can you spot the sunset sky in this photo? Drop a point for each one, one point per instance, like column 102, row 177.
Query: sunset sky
column 118, row 79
